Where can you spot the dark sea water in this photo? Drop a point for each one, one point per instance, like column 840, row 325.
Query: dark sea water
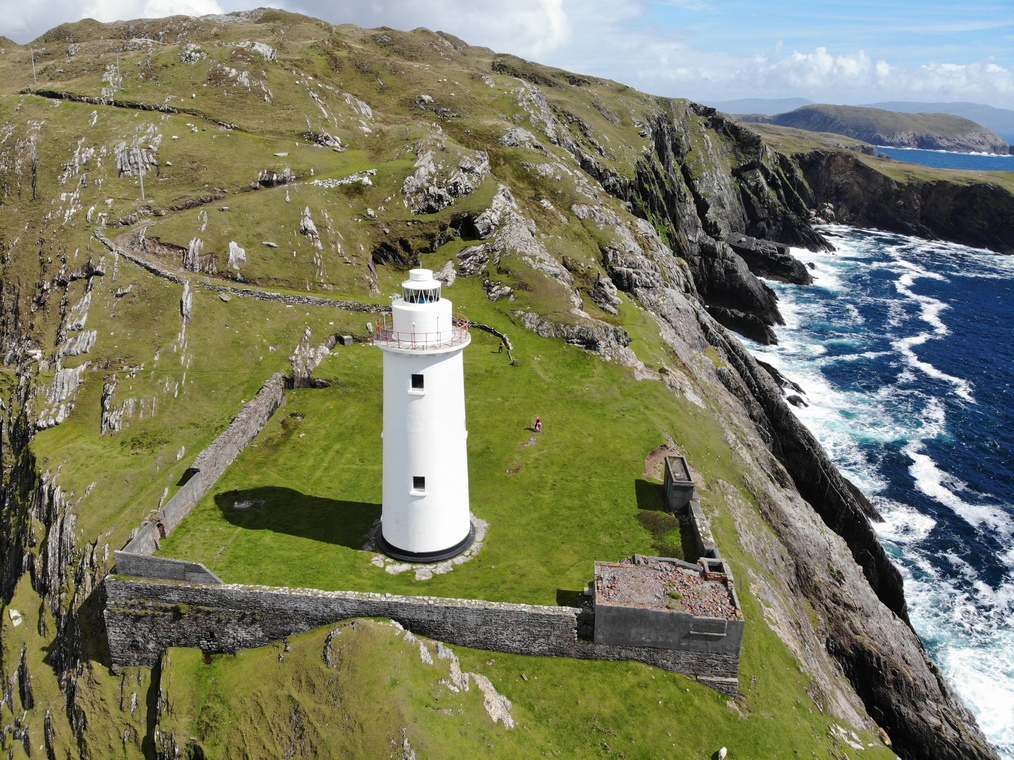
column 943, row 159
column 905, row 349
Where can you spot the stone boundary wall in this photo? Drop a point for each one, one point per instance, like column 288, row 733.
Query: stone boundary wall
column 675, row 493
column 634, row 626
column 144, row 617
column 262, row 295
column 210, row 464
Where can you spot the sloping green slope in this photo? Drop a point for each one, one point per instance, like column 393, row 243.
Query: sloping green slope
column 269, row 151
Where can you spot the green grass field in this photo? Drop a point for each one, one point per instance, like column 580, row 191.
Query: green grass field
column 554, row 502
column 578, row 494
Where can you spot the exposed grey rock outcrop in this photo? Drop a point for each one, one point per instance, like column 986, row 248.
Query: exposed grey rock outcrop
column 237, row 256
column 771, row 260
column 434, row 185
column 306, row 357
column 308, row 228
column 141, row 156
column 519, row 137
column 80, row 344
column 588, row 334
column 191, row 53
column 60, row 396
column 268, row 178
column 510, row 232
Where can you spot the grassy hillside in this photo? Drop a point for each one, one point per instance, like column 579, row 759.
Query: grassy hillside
column 275, row 153
column 388, row 691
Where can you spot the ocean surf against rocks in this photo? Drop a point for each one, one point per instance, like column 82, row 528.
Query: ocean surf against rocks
column 904, row 350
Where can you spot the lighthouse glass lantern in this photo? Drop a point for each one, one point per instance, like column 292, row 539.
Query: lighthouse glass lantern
column 425, row 514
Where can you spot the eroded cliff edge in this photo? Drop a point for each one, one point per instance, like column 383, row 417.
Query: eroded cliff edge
column 974, row 213
column 668, row 197
column 864, row 622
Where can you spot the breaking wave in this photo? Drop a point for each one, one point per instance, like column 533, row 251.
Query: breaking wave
column 905, row 353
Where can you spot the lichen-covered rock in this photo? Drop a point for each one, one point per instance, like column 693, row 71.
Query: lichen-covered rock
column 80, row 344
column 604, row 295
column 587, row 333
column 473, row 259
column 497, row 291
column 196, row 261
column 508, row 232
column 237, row 256
column 266, row 51
column 437, row 182
column 60, row 396
column 139, row 157
column 447, row 274
column 305, row 358
column 308, row 228
column 268, row 178
column 519, row 137
column 192, row 53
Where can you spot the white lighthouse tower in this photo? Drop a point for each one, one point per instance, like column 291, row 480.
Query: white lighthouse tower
column 425, row 501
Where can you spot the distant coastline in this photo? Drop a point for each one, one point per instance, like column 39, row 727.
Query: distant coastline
column 946, row 159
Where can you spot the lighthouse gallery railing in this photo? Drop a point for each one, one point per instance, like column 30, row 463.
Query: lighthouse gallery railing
column 458, row 335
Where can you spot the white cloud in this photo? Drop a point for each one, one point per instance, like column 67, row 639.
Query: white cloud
column 617, row 39
column 854, row 77
column 24, row 21
column 159, row 8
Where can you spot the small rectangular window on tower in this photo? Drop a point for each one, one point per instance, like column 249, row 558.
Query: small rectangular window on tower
column 418, row 483
column 417, row 382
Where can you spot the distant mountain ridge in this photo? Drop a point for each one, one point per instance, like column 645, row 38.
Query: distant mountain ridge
column 998, row 120
column 928, row 131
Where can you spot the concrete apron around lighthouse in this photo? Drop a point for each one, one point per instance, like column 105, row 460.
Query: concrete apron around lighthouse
column 425, row 515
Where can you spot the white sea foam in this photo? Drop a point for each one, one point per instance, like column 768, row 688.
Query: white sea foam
column 833, row 416
column 902, row 524
column 971, row 640
column 947, row 489
column 930, row 310
column 946, row 152
column 965, row 621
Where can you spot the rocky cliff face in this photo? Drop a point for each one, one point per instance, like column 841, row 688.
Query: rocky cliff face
column 975, row 214
column 574, row 208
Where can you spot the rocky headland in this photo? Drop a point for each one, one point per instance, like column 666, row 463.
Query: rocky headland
column 926, row 131
column 571, row 207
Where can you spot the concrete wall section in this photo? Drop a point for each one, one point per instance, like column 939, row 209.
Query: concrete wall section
column 145, row 617
column 146, row 566
column 144, row 540
column 664, row 629
column 679, row 488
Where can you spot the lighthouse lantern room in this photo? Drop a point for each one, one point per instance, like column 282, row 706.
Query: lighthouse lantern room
column 425, row 514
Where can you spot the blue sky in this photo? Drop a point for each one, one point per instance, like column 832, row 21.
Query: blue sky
column 858, row 51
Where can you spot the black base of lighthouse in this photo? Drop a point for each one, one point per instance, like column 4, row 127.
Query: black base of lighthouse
column 394, row 552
